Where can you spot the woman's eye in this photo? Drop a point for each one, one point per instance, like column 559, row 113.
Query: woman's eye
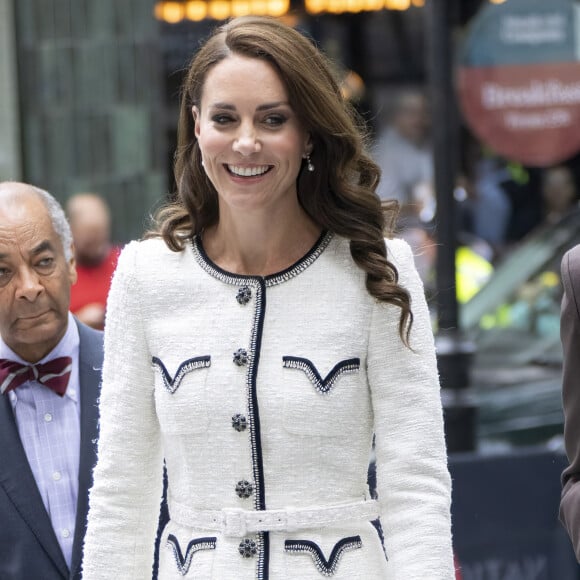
column 275, row 120
column 222, row 119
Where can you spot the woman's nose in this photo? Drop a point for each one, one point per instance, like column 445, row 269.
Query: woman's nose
column 247, row 141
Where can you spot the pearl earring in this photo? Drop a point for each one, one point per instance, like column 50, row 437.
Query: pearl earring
column 309, row 164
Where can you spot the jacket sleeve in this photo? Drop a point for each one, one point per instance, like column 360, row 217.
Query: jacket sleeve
column 125, row 498
column 570, row 335
column 413, row 481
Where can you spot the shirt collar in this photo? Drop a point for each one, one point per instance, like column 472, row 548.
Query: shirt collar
column 68, row 346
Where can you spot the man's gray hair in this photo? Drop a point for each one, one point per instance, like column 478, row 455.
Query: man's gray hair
column 59, row 221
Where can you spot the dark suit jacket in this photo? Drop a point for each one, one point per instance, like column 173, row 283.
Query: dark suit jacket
column 570, row 334
column 29, row 549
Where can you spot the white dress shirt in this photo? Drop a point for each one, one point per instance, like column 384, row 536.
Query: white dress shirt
column 49, row 428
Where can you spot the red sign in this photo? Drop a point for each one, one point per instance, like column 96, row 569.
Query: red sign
column 519, row 80
column 527, row 113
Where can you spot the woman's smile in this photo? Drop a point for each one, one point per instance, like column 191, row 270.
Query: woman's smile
column 248, row 171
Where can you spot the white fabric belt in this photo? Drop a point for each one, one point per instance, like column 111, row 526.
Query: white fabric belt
column 237, row 522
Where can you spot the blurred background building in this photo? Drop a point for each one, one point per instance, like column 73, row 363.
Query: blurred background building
column 80, row 100
column 89, row 89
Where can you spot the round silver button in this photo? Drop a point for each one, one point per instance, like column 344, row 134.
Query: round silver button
column 248, row 548
column 244, row 489
column 239, row 422
column 244, row 295
column 241, row 357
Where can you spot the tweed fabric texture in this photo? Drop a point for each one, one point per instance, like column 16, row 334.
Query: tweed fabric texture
column 314, row 365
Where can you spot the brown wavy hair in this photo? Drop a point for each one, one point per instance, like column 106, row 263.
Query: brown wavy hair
column 339, row 195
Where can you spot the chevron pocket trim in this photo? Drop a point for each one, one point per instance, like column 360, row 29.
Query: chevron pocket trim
column 324, row 566
column 170, row 383
column 184, row 561
column 326, row 384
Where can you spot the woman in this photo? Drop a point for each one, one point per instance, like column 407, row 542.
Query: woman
column 259, row 340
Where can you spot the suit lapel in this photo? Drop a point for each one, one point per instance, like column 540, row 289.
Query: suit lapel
column 90, row 363
column 18, row 482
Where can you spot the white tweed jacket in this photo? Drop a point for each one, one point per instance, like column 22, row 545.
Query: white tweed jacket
column 263, row 393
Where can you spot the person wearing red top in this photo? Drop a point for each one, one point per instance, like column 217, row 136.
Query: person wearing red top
column 95, row 255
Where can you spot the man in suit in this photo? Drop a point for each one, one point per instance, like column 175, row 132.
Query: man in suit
column 49, row 382
column 570, row 334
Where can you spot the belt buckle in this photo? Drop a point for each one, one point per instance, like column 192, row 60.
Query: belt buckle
column 234, row 522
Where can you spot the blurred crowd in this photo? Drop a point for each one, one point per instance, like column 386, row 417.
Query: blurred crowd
column 498, row 203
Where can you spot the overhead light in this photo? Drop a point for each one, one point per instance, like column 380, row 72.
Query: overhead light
column 397, row 4
column 196, row 10
column 353, row 6
column 171, row 12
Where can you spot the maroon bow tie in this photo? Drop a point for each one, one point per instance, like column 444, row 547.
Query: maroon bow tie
column 54, row 374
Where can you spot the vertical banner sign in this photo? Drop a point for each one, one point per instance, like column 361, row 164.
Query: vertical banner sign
column 518, row 79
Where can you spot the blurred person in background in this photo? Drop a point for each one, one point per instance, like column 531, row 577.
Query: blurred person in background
column 49, row 381
column 258, row 339
column 551, row 194
column 403, row 152
column 96, row 256
column 486, row 209
column 559, row 193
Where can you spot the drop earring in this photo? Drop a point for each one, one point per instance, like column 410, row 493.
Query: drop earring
column 309, row 164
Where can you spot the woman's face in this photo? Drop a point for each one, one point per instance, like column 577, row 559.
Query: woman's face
column 251, row 140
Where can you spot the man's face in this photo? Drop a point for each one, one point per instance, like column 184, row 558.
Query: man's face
column 412, row 119
column 91, row 236
column 559, row 190
column 35, row 278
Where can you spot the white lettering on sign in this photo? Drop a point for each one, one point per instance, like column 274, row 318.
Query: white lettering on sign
column 527, row 568
column 550, row 119
column 534, row 94
column 533, row 29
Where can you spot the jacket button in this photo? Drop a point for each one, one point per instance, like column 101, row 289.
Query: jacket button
column 248, row 548
column 244, row 489
column 241, row 357
column 244, row 295
column 239, row 422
